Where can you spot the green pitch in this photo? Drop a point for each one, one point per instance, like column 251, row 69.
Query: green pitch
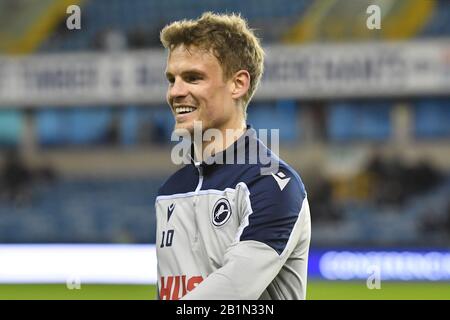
column 316, row 290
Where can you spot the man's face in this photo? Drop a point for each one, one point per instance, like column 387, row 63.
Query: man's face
column 197, row 90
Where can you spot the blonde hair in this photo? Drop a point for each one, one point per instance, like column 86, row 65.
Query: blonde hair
column 228, row 37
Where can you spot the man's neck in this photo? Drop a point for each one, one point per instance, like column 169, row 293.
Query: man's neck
column 217, row 144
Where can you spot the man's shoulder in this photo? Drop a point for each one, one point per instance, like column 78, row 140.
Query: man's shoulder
column 276, row 200
column 285, row 171
column 276, row 180
column 181, row 181
column 269, row 167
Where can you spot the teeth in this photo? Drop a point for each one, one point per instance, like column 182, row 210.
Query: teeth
column 184, row 109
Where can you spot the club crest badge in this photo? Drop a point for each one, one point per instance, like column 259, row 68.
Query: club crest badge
column 221, row 212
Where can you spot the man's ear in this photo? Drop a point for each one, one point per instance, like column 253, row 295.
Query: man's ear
column 241, row 84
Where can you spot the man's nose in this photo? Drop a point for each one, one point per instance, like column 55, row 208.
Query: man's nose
column 178, row 89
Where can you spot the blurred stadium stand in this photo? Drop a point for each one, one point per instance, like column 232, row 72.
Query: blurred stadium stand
column 377, row 169
column 82, row 211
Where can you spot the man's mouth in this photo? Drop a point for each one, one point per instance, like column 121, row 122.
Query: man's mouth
column 184, row 110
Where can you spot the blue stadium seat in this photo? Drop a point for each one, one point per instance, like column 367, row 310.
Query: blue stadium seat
column 84, row 210
column 149, row 16
column 358, row 121
column 77, row 126
column 11, row 127
column 282, row 115
column 439, row 23
column 432, row 118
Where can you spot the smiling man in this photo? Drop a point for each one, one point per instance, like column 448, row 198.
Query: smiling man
column 226, row 230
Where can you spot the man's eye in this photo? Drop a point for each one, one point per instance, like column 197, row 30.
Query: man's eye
column 192, row 78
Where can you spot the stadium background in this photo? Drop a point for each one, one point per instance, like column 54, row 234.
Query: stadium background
column 82, row 161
